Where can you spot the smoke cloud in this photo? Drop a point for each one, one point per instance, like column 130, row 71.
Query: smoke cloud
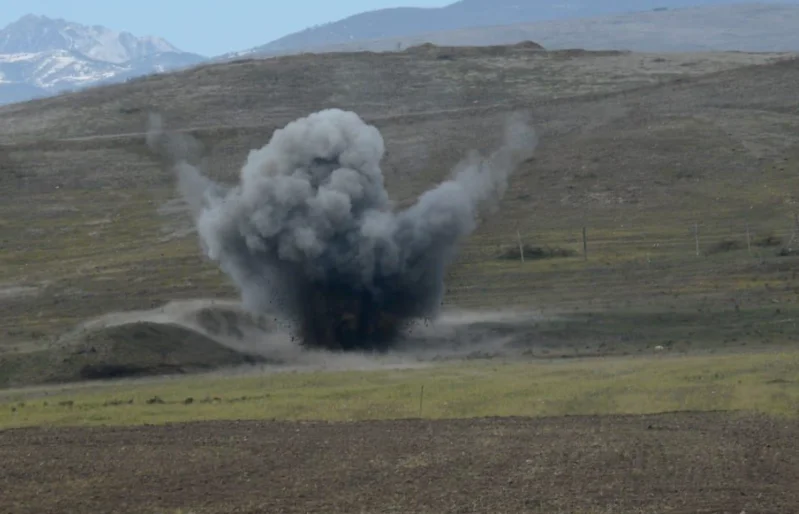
column 309, row 233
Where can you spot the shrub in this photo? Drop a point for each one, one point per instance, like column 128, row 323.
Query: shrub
column 725, row 245
column 537, row 253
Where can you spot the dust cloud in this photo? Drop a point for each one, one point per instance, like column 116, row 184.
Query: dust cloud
column 310, row 237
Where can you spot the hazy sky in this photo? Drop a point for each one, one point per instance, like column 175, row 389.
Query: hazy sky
column 208, row 27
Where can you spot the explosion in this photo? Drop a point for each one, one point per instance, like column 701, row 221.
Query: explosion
column 309, row 233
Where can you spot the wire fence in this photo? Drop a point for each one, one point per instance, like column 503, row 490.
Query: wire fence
column 694, row 242
column 727, row 263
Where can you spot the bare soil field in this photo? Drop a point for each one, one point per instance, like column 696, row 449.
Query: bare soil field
column 680, row 463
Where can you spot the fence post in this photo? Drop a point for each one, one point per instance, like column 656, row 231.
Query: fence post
column 521, row 246
column 748, row 240
column 795, row 232
column 585, row 245
column 696, row 237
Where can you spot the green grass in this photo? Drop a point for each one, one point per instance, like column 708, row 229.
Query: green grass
column 765, row 382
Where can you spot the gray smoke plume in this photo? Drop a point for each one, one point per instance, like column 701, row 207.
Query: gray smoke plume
column 309, row 232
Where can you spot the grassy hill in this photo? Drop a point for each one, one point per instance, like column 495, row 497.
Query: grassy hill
column 748, row 27
column 646, row 24
column 643, row 150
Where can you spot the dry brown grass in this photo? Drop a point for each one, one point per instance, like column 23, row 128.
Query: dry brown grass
column 635, row 147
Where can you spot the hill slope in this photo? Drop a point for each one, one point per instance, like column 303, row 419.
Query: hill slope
column 641, row 149
column 743, row 27
column 407, row 24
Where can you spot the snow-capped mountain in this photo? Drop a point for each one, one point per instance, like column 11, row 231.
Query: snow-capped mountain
column 40, row 56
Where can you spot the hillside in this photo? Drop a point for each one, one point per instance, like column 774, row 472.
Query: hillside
column 748, row 27
column 408, row 22
column 641, row 149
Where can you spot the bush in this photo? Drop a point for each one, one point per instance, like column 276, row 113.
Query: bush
column 725, row 245
column 787, row 252
column 537, row 253
column 768, row 241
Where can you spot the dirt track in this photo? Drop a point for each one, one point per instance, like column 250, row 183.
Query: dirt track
column 709, row 463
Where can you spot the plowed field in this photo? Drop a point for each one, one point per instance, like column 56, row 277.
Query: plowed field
column 687, row 462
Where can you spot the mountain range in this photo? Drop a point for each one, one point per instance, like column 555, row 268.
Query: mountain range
column 742, row 27
column 406, row 23
column 40, row 56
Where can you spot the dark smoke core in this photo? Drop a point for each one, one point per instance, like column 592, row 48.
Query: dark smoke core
column 338, row 318
column 309, row 233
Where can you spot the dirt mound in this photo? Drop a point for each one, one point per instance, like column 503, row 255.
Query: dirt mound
column 529, row 45
column 181, row 337
column 452, row 52
column 147, row 348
